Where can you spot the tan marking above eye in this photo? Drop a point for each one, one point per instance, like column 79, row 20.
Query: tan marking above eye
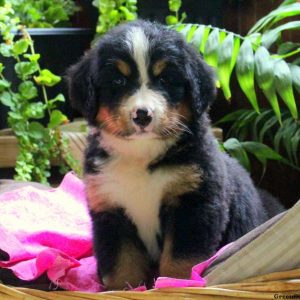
column 158, row 67
column 123, row 67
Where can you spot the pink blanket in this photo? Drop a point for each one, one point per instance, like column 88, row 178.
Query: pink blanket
column 50, row 231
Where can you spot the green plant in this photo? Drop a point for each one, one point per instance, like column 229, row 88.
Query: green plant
column 29, row 103
column 251, row 58
column 174, row 7
column 43, row 13
column 263, row 129
column 276, row 74
column 114, row 12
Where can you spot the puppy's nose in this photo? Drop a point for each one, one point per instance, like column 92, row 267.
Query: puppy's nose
column 142, row 117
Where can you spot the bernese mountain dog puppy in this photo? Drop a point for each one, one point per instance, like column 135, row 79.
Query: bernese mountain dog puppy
column 161, row 194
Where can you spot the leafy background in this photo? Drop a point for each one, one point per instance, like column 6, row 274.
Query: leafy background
column 262, row 66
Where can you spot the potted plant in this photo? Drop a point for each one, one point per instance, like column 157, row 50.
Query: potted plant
column 48, row 24
column 34, row 115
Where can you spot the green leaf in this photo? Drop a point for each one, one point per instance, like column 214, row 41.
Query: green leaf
column 281, row 133
column 47, row 78
column 1, row 68
column 15, row 115
column 171, row 20
column 231, row 116
column 243, row 121
column 235, row 149
column 28, row 90
column 211, row 48
column 204, row 39
column 185, row 31
column 56, row 119
column 287, row 47
column 58, row 98
column 285, row 12
column 4, row 84
column 261, row 118
column 36, row 130
column 20, row 46
column 174, row 5
column 264, row 71
column 270, row 37
column 24, row 69
column 197, row 37
column 267, row 127
column 245, row 72
column 283, row 83
column 227, row 55
column 35, row 110
column 128, row 15
column 261, row 151
column 33, row 57
column 6, row 99
column 287, row 138
column 295, row 141
column 5, row 50
column 287, row 2
column 274, row 16
column 295, row 72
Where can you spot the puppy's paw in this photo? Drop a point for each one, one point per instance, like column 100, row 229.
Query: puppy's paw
column 124, row 279
column 179, row 268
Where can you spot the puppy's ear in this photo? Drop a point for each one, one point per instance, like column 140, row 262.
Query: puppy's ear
column 201, row 79
column 81, row 88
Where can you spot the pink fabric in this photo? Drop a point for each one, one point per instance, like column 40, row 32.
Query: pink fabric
column 50, row 231
column 196, row 279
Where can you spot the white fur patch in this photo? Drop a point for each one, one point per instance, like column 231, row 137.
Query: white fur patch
column 126, row 182
column 147, row 98
column 139, row 46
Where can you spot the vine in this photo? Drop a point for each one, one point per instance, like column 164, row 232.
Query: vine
column 38, row 143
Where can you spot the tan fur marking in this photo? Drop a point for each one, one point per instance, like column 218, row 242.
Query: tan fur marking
column 184, row 111
column 187, row 180
column 97, row 202
column 132, row 267
column 175, row 268
column 123, row 67
column 114, row 122
column 158, row 67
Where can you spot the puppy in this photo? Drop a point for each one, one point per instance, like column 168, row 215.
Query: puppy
column 160, row 193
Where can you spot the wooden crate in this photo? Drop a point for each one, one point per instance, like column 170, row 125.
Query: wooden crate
column 8, row 149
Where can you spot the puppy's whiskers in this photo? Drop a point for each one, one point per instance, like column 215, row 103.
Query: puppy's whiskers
column 177, row 125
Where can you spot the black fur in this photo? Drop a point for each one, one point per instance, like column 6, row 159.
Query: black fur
column 226, row 204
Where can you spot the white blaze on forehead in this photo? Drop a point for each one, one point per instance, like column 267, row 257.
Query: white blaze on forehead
column 138, row 44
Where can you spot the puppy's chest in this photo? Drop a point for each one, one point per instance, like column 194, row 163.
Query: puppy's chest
column 130, row 185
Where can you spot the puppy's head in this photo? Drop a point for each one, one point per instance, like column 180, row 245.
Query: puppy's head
column 141, row 81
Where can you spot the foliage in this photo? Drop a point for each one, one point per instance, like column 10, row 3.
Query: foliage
column 174, row 7
column 250, row 56
column 263, row 129
column 38, row 143
column 114, row 12
column 276, row 74
column 43, row 13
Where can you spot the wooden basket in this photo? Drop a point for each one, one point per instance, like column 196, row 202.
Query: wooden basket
column 261, row 287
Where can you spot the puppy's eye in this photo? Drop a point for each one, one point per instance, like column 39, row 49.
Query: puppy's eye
column 119, row 81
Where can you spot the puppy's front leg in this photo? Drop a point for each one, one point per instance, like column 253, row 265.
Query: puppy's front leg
column 191, row 235
column 121, row 257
